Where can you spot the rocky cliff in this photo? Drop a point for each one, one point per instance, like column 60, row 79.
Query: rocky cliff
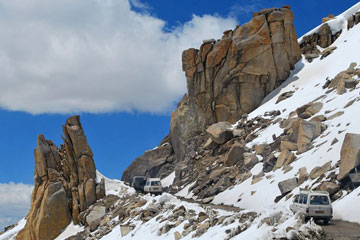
column 64, row 183
column 225, row 79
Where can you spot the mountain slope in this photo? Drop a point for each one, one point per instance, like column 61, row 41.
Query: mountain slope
column 267, row 216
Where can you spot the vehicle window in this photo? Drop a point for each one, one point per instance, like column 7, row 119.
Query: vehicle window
column 156, row 183
column 319, row 200
column 305, row 199
column 139, row 180
column 301, row 198
column 147, row 183
column 296, row 199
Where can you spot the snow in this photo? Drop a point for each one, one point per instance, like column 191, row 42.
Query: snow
column 347, row 208
column 11, row 234
column 70, row 230
column 168, row 181
column 114, row 186
column 306, row 80
column 185, row 191
column 336, row 24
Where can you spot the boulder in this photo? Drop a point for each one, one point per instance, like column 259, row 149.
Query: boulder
column 269, row 163
column 285, row 158
column 95, row 215
column 177, row 235
column 350, row 155
column 287, row 186
column 250, row 160
column 309, row 109
column 210, row 144
column 329, row 187
column 320, row 170
column 125, row 229
column 236, row 154
column 303, row 176
column 325, row 36
column 305, row 132
column 287, row 145
column 220, row 132
column 329, row 17
column 260, row 149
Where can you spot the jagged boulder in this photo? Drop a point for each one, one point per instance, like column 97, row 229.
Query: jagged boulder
column 309, row 109
column 235, row 155
column 220, row 132
column 350, row 155
column 287, row 186
column 250, row 160
column 320, row 170
column 64, row 183
column 285, row 158
column 329, row 187
column 305, row 132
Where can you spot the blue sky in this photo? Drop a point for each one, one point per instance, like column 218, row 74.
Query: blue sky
column 116, row 64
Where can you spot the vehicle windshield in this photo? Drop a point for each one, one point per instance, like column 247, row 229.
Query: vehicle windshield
column 155, row 183
column 319, row 200
column 139, row 180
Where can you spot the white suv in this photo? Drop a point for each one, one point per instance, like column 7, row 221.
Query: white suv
column 314, row 204
column 153, row 185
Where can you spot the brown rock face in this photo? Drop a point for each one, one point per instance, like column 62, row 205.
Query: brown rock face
column 150, row 163
column 350, row 155
column 230, row 77
column 64, row 183
column 226, row 79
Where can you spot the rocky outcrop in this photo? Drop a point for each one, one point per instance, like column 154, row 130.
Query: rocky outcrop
column 287, row 186
column 323, row 37
column 350, row 155
column 64, row 183
column 231, row 76
column 353, row 20
column 151, row 163
column 226, row 79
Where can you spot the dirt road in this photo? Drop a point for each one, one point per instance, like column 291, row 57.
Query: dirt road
column 342, row 230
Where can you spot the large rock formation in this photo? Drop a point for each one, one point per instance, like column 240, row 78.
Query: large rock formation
column 229, row 77
column 350, row 155
column 64, row 183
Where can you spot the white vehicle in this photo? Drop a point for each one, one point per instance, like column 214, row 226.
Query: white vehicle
column 153, row 185
column 314, row 204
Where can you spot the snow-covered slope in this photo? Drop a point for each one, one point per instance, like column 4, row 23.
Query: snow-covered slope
column 307, row 81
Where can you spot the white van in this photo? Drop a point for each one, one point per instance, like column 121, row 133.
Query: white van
column 153, row 185
column 314, row 204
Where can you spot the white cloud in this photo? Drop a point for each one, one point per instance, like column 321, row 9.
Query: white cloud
column 15, row 201
column 93, row 56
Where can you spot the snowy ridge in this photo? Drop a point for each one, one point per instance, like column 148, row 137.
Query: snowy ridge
column 336, row 24
column 307, row 81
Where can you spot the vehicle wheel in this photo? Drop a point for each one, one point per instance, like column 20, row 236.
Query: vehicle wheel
column 326, row 221
column 307, row 219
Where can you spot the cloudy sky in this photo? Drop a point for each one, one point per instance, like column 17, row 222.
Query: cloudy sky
column 117, row 63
